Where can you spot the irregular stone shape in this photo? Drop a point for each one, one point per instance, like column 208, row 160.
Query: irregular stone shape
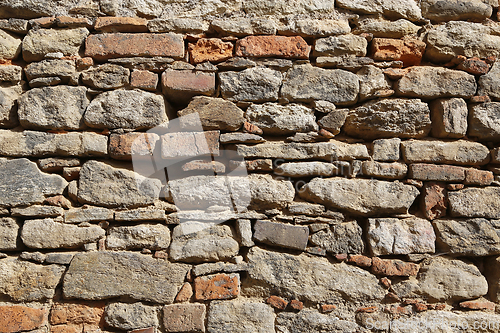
column 446, row 173
column 305, row 208
column 37, row 211
column 384, row 170
column 317, row 27
column 334, row 121
column 449, row 118
column 409, row 51
column 312, row 278
column 282, row 7
column 121, row 24
column 255, row 84
column 184, row 318
column 445, row 279
column 478, row 177
column 213, row 243
column 434, row 201
column 305, row 169
column 17, row 318
column 214, row 114
column 57, row 164
column 386, row 149
column 141, row 214
column 198, row 165
column 102, row 184
column 493, row 276
column 102, row 275
column 121, row 45
column 148, row 236
column 484, row 121
column 345, row 237
column 433, row 82
column 11, row 73
column 313, row 321
column 226, row 138
column 239, row 317
column 404, row 118
column 9, row 231
column 474, row 66
column 455, row 10
column 144, row 80
column 488, row 84
column 462, row 38
column 387, row 29
column 273, row 46
column 267, row 192
column 132, row 145
column 39, row 42
column 24, row 184
column 305, row 83
column 475, row 202
column 190, row 144
column 360, row 196
column 50, row 67
column 388, row 267
column 470, row 237
column 130, row 316
column 210, row 49
column 275, row 119
column 392, row 236
column 131, row 109
column 373, row 83
column 59, row 258
column 392, row 9
column 8, row 106
column 10, row 45
column 88, row 214
column 181, row 85
column 281, row 234
column 217, row 286
column 340, row 45
column 24, row 281
column 60, row 107
column 107, row 76
column 45, row 82
column 458, row 152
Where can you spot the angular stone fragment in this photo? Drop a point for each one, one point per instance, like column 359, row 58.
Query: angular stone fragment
column 217, row 286
column 489, row 83
column 474, row 66
column 61, row 258
column 459, row 152
column 434, row 202
column 449, row 118
column 184, row 318
column 131, row 109
column 45, row 82
column 154, row 64
column 345, row 237
column 39, row 42
column 388, row 267
column 88, row 214
column 392, row 9
column 102, row 275
column 10, row 45
column 8, row 106
column 130, row 316
column 340, row 46
column 334, row 120
column 273, row 46
column 226, row 138
column 144, row 236
column 387, row 29
column 107, row 76
column 313, row 321
column 305, row 208
column 50, row 67
column 256, row 84
column 9, row 232
column 37, row 211
column 360, row 196
column 305, row 83
column 475, row 202
column 384, row 170
column 60, row 107
column 373, row 83
column 15, row 25
column 132, row 145
column 456, row 10
column 181, row 85
column 121, row 24
column 240, row 317
column 17, row 318
column 144, row 80
column 282, row 7
column 305, row 169
column 484, row 121
column 281, row 235
column 210, row 49
column 121, row 45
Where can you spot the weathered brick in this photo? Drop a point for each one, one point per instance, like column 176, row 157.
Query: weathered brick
column 20, row 318
column 183, row 144
column 434, row 201
column 273, row 46
column 121, row 24
column 144, row 79
column 184, row 318
column 121, row 45
column 296, row 305
column 277, row 302
column 395, row 267
column 478, row 177
column 181, row 85
column 474, row 66
column 478, row 305
column 89, row 313
column 185, row 293
column 326, row 308
column 447, row 173
column 281, row 234
column 410, row 52
column 360, row 260
column 218, row 286
column 123, row 146
column 210, row 49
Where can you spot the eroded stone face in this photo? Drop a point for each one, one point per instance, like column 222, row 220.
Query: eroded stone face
column 39, row 42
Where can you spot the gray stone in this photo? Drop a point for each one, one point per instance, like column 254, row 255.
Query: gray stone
column 24, row 184
column 275, row 119
column 305, row 169
column 50, row 67
column 443, row 279
column 313, row 321
column 214, row 114
column 88, row 214
column 8, row 105
column 103, row 275
column 484, row 121
column 459, row 152
column 323, row 106
column 281, row 234
column 9, row 232
column 347, row 63
column 155, row 64
column 217, row 267
column 387, row 29
column 316, row 27
column 238, row 316
column 392, row 236
column 178, row 25
column 306, row 208
column 44, row 82
column 283, row 7
column 107, row 76
column 140, row 214
column 102, row 184
column 311, row 278
column 449, row 118
column 475, row 202
column 15, row 25
column 130, row 316
column 37, row 211
column 386, row 149
column 456, row 10
column 489, row 83
column 202, row 242
column 257, row 84
column 361, row 196
column 340, row 46
column 345, row 237
column 61, row 258
column 373, row 83
column 305, row 83
column 493, row 276
column 34, row 8
column 52, row 164
column 48, row 234
column 434, row 82
column 334, row 120
column 148, row 236
column 39, row 42
column 60, row 107
column 240, row 138
column 244, row 231
column 267, row 192
column 386, row 118
column 10, row 45
column 393, row 9
column 131, row 109
column 384, row 170
column 236, row 27
column 33, row 256
column 11, row 73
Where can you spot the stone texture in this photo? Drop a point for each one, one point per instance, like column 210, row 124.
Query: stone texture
column 449, row 118
column 130, row 316
column 102, row 184
column 281, row 234
column 144, row 80
column 60, row 107
column 184, row 318
column 37, row 211
column 312, row 321
column 305, row 169
column 141, row 214
column 149, row 236
column 181, row 85
column 305, row 83
column 475, row 202
column 488, row 84
column 11, row 73
column 238, row 137
column 389, row 267
column 433, row 82
column 345, row 237
column 474, row 66
column 267, row 192
column 334, row 120
column 130, row 146
column 457, row 152
column 39, row 42
column 392, row 9
column 387, row 29
column 393, row 236
column 217, row 286
column 10, row 46
column 484, row 121
column 107, row 76
column 190, row 144
column 102, row 275
column 456, row 10
column 210, row 49
column 122, row 45
column 17, row 318
column 384, row 170
column 273, row 46
column 88, row 214
column 63, row 69
column 131, row 109
column 409, row 51
column 446, row 173
column 478, row 177
column 239, row 317
column 386, row 149
column 373, row 83
column 8, row 106
column 360, row 196
column 76, row 313
column 434, row 202
column 340, row 46
column 275, row 119
column 256, row 84
column 121, row 24
column 9, row 230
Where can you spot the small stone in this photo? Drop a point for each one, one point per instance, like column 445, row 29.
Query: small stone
column 259, row 165
column 9, row 231
column 461, row 10
column 64, row 69
column 309, row 320
column 273, row 46
column 373, row 83
column 59, row 258
column 386, row 149
column 334, row 120
column 296, row 305
column 37, row 211
column 17, row 318
column 71, row 173
column 154, row 64
column 226, row 138
column 277, row 302
column 252, row 129
column 344, row 237
column 140, row 214
column 39, row 42
column 434, row 201
column 44, row 82
column 454, row 187
column 121, row 24
column 107, row 76
column 175, row 24
column 133, row 145
column 144, row 330
column 409, row 51
column 11, row 73
column 478, row 177
column 488, row 84
column 11, row 45
column 181, row 85
column 239, row 316
column 340, row 46
column 449, row 118
column 475, row 202
column 210, row 49
column 144, row 80
column 387, row 29
column 474, row 66
column 360, row 260
column 432, row 172
column 184, row 318
column 406, row 10
column 478, row 305
column 185, row 293
column 57, row 164
column 88, row 214
column 59, row 200
column 201, row 165
column 390, row 267
column 280, row 234
column 219, row 286
column 37, row 257
column 257, row 84
column 72, row 22
column 457, row 152
column 15, row 25
column 130, row 316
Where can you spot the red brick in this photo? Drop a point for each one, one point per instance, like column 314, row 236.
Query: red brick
column 122, row 45
column 478, row 305
column 181, row 85
column 277, row 302
column 121, row 24
column 72, row 22
column 326, row 308
column 474, row 66
column 433, row 201
column 144, row 80
column 368, row 309
column 480, row 99
column 90, row 313
column 185, row 144
column 360, row 260
column 210, row 49
column 420, row 307
column 185, row 293
column 386, row 282
column 408, row 51
column 122, row 146
column 296, row 305
column 218, row 286
column 478, row 177
column 273, row 46
column 445, row 173
column 396, row 310
column 184, row 318
column 20, row 318
column 389, row 267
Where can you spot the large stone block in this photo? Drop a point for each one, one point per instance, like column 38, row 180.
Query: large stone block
column 17, row 318
column 10, row 45
column 125, row 316
column 407, row 9
column 189, row 144
column 281, row 234
column 39, row 42
column 107, row 76
column 449, row 118
column 184, row 318
column 61, row 68
column 340, row 46
column 9, row 233
column 456, row 10
column 344, row 237
column 256, row 84
column 475, row 202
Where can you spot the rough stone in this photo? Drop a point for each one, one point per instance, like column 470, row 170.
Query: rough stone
column 9, row 105
column 387, row 29
column 386, row 149
column 45, row 82
column 88, row 214
column 154, row 64
column 266, row 192
column 148, row 236
column 17, row 318
column 373, row 83
column 484, row 121
column 130, row 316
column 202, row 165
column 60, row 107
column 475, row 202
column 60, row 258
column 432, row 172
column 305, row 83
column 434, row 201
column 39, row 42
column 11, row 73
column 181, row 85
column 218, row 286
column 141, row 214
column 185, row 293
column 121, row 24
column 178, row 24
column 10, row 46
column 390, row 8
column 317, row 27
column 77, row 314
column 409, row 51
column 210, row 49
column 9, row 231
column 384, row 170
column 273, row 46
column 107, row 76
column 130, row 146
column 57, row 164
column 474, row 66
column 478, row 177
column 305, row 169
column 389, row 267
column 456, row 10
column 239, row 317
column 449, row 118
column 345, row 237
column 281, row 234
column 37, row 211
column 102, row 275
column 50, row 67
column 184, row 318
column 190, row 144
column 340, row 45
column 131, row 109
column 257, row 84
column 488, row 84
column 226, row 138
column 15, row 25
column 313, row 321
column 334, row 120
column 305, row 208
column 144, row 80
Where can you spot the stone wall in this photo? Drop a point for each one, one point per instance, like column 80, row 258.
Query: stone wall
column 249, row 166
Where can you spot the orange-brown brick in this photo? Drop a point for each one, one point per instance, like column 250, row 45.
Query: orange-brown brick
column 121, row 24
column 474, row 66
column 277, row 302
column 72, row 22
column 478, row 305
column 144, row 80
column 20, row 318
column 181, row 85
column 296, row 305
column 219, row 286
column 408, row 51
column 122, row 146
column 185, row 293
column 326, row 308
column 478, row 177
column 184, row 318
column 77, row 314
column 434, row 201
column 273, row 46
column 390, row 267
column 210, row 49
column 360, row 260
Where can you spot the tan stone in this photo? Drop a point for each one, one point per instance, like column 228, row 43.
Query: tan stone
column 409, row 51
column 20, row 318
column 184, row 318
column 181, row 85
column 478, row 177
column 478, row 305
column 123, row 146
column 273, row 46
column 447, row 173
column 185, row 293
column 210, row 49
column 121, row 24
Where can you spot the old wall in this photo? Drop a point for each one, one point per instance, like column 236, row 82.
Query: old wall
column 249, row 166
